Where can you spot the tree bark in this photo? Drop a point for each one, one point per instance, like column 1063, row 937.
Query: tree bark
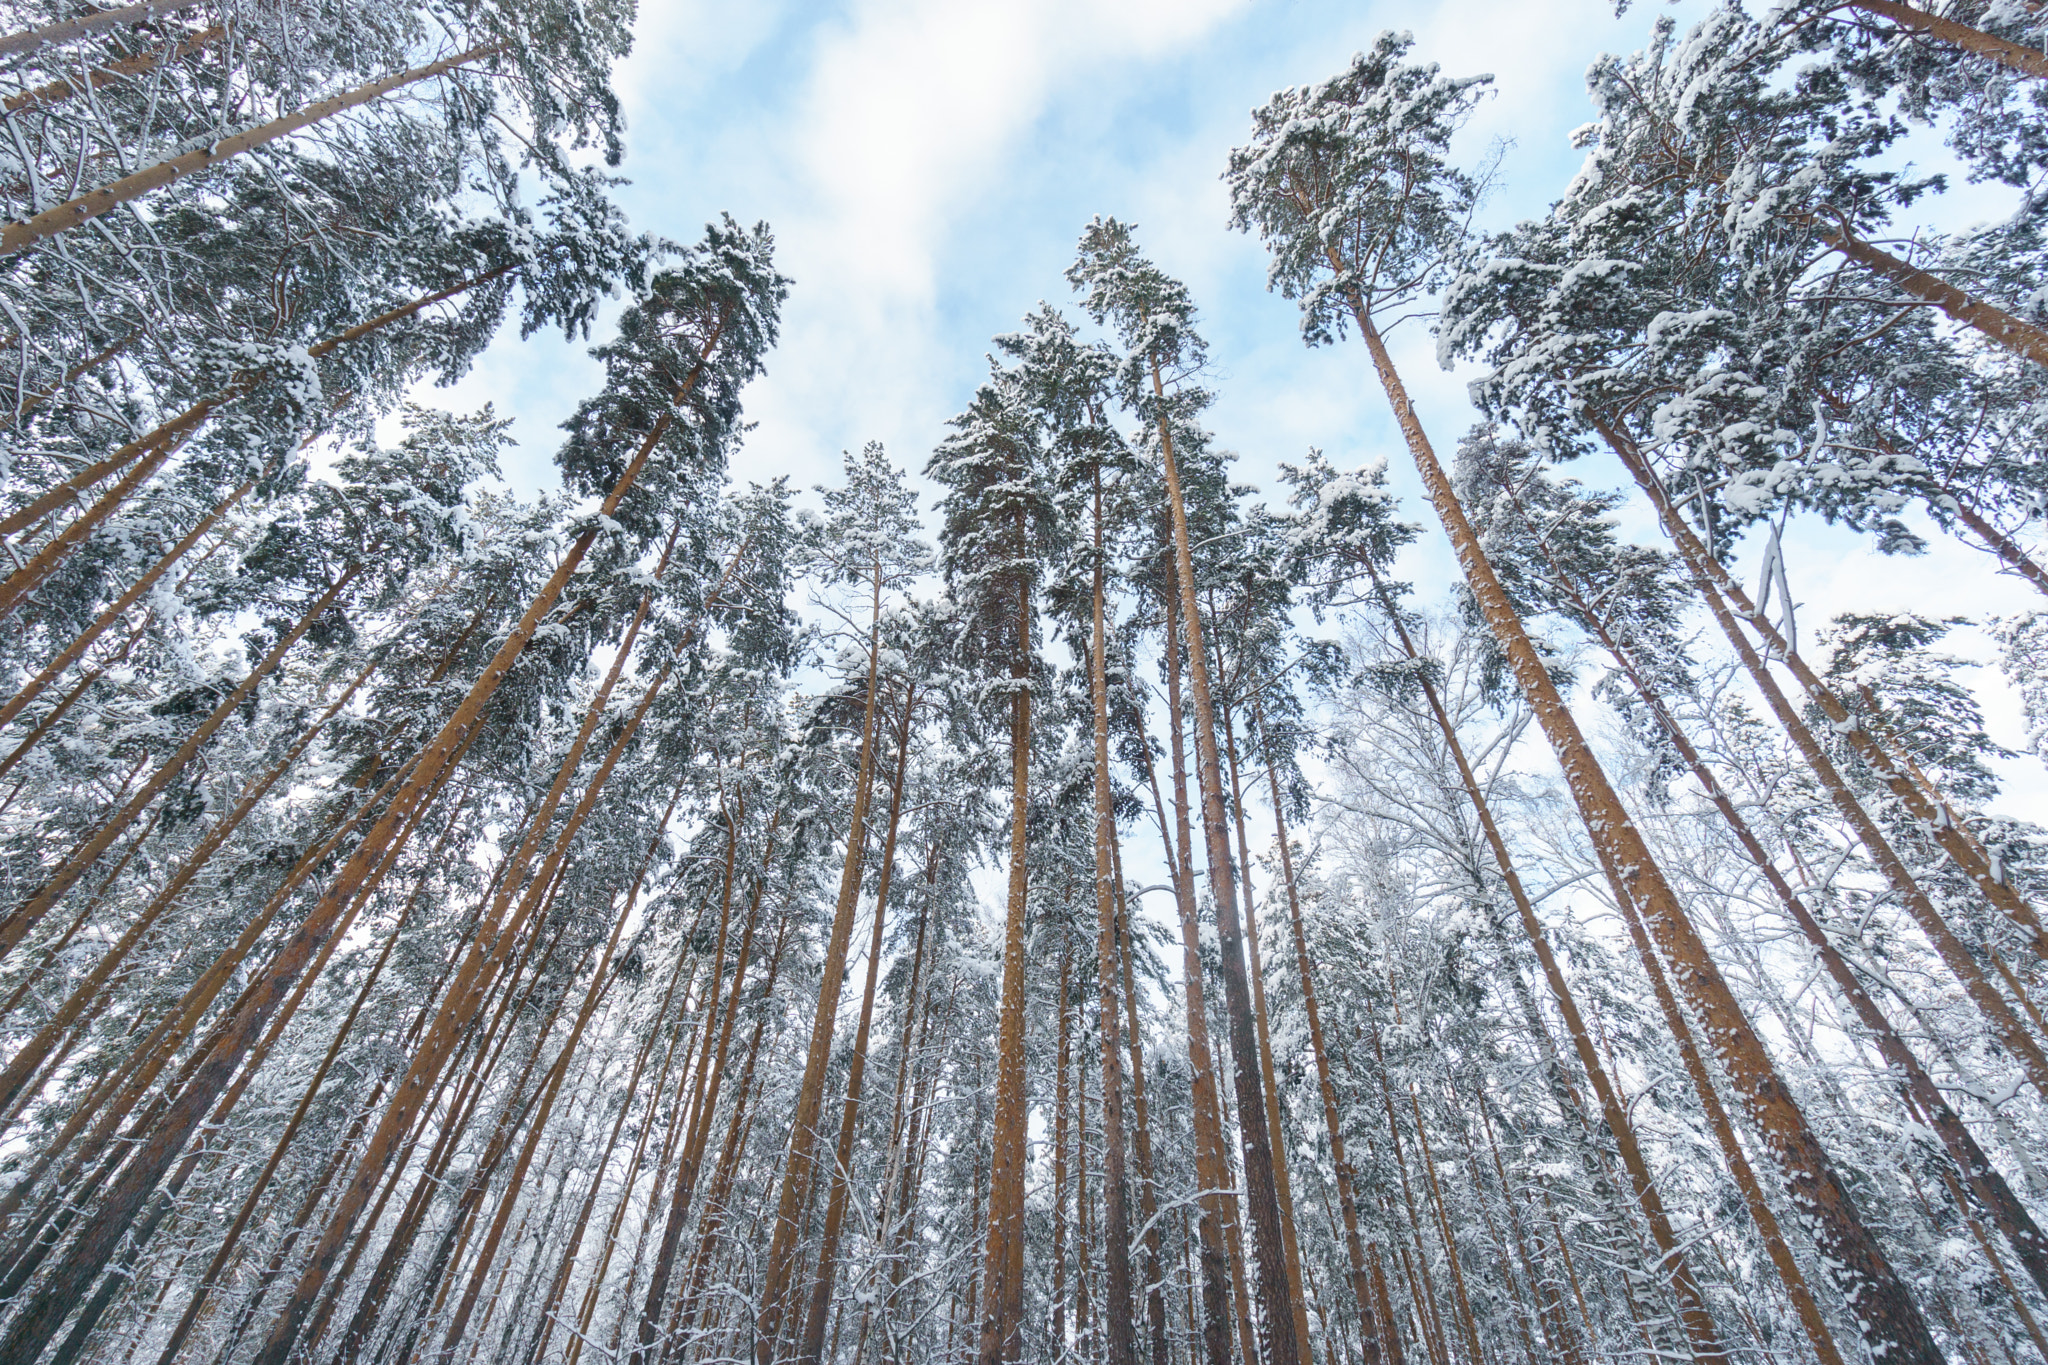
column 1282, row 1185
column 1116, row 1232
column 1275, row 1292
column 53, row 93
column 28, row 40
column 1141, row 1136
column 795, row 1194
column 1884, row 1307
column 1701, row 1333
column 19, row 236
column 118, row 609
column 1917, row 1087
column 1000, row 1339
column 1714, row 587
column 1347, row 1198
column 1216, row 1200
column 26, row 915
column 96, row 1242
column 826, row 1273
column 2024, row 60
column 169, row 434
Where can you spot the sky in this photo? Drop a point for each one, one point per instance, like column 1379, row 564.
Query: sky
column 927, row 167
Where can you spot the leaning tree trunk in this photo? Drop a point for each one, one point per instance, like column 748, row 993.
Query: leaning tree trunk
column 53, row 93
column 1715, row 584
column 1000, row 1336
column 1884, row 1307
column 165, row 437
column 28, row 40
column 22, row 235
column 26, row 915
column 118, row 609
column 1694, row 1315
column 1217, row 1202
column 1918, row 1088
column 1141, row 1132
column 2025, row 60
column 1274, row 1119
column 40, row 1318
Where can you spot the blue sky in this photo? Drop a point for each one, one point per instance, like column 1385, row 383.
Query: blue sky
column 928, row 165
column 928, row 168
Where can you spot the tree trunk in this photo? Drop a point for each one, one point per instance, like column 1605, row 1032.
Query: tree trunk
column 826, row 1274
column 28, row 40
column 1141, row 1136
column 1275, row 1292
column 22, row 1066
column 1698, row 1322
column 600, row 982
column 167, row 436
column 1917, row 1087
column 1000, row 1338
column 1283, row 1187
column 1885, row 1309
column 1116, row 1232
column 1347, row 1198
column 696, row 1116
column 2024, row 60
column 26, row 915
column 795, row 1195
column 1720, row 590
column 54, row 93
column 2002, row 545
column 19, row 236
column 115, row 611
column 1753, row 1199
column 464, row 998
column 1061, row 1094
column 574, row 1244
column 1212, row 1170
column 719, row 1195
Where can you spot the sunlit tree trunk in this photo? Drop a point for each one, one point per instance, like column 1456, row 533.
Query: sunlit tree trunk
column 1347, row 1198
column 780, row 1268
column 826, row 1274
column 1000, row 1338
column 1261, row 1195
column 1116, row 1230
column 1885, row 1308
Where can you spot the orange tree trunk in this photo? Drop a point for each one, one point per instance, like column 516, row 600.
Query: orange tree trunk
column 2025, row 60
column 1275, row 1292
column 1116, row 1229
column 1347, row 1198
column 1884, row 1307
column 1141, row 1134
column 28, row 40
column 1000, row 1337
column 95, row 1244
column 1983, row 1179
column 19, row 236
column 1212, row 1169
column 26, row 915
column 1720, row 590
column 53, row 93
column 1692, row 1305
column 826, row 1273
column 780, row 1269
